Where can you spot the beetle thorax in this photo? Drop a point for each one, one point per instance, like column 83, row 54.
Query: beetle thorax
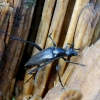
column 71, row 52
column 58, row 52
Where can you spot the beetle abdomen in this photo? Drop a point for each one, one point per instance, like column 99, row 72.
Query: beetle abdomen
column 41, row 57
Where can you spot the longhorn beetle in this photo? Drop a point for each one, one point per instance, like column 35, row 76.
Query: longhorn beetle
column 50, row 54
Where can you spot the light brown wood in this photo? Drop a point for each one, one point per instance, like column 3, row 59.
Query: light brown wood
column 86, row 78
column 14, row 49
column 86, row 38
column 80, row 83
column 57, row 93
column 70, row 34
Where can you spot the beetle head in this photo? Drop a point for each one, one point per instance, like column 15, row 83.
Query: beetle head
column 71, row 52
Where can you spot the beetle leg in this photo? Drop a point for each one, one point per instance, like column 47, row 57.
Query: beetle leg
column 29, row 78
column 54, row 44
column 33, row 70
column 66, row 47
column 59, row 74
column 30, row 72
column 40, row 67
column 72, row 62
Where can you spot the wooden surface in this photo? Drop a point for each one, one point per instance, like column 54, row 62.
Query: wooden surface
column 17, row 16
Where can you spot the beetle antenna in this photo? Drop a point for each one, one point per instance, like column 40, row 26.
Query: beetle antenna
column 19, row 39
column 78, row 20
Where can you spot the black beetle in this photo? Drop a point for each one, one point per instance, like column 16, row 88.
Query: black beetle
column 49, row 55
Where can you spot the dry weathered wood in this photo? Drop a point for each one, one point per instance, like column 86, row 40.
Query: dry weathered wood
column 17, row 3
column 66, row 22
column 4, row 16
column 41, row 36
column 35, row 27
column 10, row 24
column 28, row 13
column 10, row 2
column 23, row 97
column 57, row 93
column 85, row 39
column 44, row 24
column 70, row 34
column 9, row 95
column 86, row 78
column 14, row 49
column 35, row 97
column 96, row 34
column 5, row 10
column 9, row 65
column 85, row 26
column 78, row 6
column 7, row 73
